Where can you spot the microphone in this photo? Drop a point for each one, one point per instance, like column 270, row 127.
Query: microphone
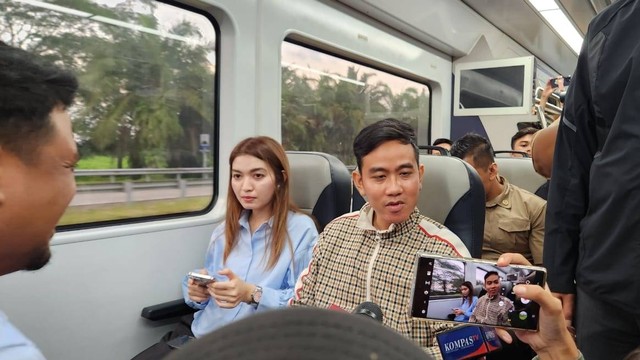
column 467, row 342
column 369, row 309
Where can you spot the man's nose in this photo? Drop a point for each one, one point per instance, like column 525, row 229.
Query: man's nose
column 393, row 186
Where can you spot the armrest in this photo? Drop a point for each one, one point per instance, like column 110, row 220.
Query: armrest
column 167, row 310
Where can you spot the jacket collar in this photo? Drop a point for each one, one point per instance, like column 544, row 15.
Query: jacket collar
column 501, row 200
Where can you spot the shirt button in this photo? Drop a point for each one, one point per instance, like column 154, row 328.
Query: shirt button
column 505, row 202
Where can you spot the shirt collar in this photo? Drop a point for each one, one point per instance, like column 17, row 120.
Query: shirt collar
column 502, row 199
column 244, row 220
column 365, row 221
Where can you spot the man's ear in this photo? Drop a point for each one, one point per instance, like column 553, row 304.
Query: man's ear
column 493, row 171
column 357, row 181
column 421, row 172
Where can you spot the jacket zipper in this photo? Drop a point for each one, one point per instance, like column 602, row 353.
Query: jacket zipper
column 370, row 267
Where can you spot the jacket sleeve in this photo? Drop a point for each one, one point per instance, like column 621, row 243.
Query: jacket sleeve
column 568, row 192
column 304, row 291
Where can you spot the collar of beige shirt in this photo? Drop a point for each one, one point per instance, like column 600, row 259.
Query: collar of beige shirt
column 502, row 199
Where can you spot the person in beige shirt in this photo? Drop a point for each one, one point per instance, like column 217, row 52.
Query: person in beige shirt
column 514, row 220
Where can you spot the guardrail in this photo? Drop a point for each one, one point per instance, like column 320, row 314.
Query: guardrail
column 128, row 186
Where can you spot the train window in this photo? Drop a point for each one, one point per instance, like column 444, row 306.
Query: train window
column 327, row 100
column 144, row 116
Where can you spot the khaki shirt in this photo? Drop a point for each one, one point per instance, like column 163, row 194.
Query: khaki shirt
column 514, row 222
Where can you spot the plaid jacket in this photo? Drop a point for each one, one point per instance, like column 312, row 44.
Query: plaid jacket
column 353, row 262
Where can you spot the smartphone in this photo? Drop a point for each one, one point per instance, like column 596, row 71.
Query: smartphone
column 180, row 341
column 437, row 289
column 567, row 81
column 201, row 279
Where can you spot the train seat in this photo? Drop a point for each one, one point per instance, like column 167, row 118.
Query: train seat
column 452, row 194
column 320, row 185
column 520, row 172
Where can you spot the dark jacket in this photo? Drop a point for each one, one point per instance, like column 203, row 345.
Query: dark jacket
column 593, row 214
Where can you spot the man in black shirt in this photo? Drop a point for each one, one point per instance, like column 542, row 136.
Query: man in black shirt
column 592, row 240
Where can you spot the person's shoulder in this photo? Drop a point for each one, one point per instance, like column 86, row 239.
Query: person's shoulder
column 345, row 220
column 438, row 232
column 610, row 13
column 528, row 197
column 297, row 218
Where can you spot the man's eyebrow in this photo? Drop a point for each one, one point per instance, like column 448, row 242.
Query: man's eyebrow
column 405, row 166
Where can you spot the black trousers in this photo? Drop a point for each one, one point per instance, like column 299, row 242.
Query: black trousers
column 603, row 330
column 161, row 349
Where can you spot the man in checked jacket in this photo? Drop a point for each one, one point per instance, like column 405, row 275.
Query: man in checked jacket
column 369, row 255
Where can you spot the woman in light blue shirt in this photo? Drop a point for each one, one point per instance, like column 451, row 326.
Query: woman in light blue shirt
column 464, row 311
column 257, row 254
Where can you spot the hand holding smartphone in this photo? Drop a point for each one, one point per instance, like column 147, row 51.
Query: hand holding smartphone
column 437, row 290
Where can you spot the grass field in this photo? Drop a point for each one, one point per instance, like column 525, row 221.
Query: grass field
column 100, row 162
column 92, row 213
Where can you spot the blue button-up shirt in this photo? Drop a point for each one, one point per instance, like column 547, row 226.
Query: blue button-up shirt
column 14, row 345
column 248, row 261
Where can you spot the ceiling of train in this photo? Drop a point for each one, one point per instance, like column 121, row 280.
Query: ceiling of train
column 516, row 18
column 521, row 22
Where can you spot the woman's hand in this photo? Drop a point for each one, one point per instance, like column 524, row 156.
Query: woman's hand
column 196, row 292
column 228, row 294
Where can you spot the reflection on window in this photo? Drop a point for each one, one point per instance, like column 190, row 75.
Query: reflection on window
column 144, row 116
column 327, row 100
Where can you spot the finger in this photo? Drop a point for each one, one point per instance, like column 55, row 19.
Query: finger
column 512, row 258
column 539, row 295
column 204, row 272
column 228, row 273
column 504, row 335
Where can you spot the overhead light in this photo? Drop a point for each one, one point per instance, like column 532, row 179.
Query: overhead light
column 559, row 22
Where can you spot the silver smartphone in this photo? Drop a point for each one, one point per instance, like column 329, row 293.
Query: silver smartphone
column 438, row 283
column 201, row 279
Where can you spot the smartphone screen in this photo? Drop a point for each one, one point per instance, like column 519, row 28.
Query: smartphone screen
column 440, row 280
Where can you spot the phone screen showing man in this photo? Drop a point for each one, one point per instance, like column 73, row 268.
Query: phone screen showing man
column 491, row 302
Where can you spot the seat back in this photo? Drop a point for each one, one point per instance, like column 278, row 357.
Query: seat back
column 320, row 185
column 453, row 194
column 520, row 172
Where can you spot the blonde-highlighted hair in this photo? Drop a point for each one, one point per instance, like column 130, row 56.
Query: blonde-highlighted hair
column 272, row 153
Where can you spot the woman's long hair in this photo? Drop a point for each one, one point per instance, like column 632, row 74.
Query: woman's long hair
column 272, row 153
column 469, row 298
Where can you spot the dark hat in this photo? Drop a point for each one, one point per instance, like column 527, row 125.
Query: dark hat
column 302, row 333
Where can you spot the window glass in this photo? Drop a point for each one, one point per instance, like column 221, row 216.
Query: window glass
column 144, row 115
column 327, row 100
column 447, row 277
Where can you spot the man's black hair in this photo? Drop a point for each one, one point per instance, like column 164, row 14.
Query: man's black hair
column 475, row 145
column 442, row 141
column 380, row 132
column 521, row 133
column 30, row 88
column 489, row 273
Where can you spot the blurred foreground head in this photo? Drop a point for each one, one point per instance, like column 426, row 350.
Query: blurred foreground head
column 542, row 148
column 302, row 333
column 37, row 156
